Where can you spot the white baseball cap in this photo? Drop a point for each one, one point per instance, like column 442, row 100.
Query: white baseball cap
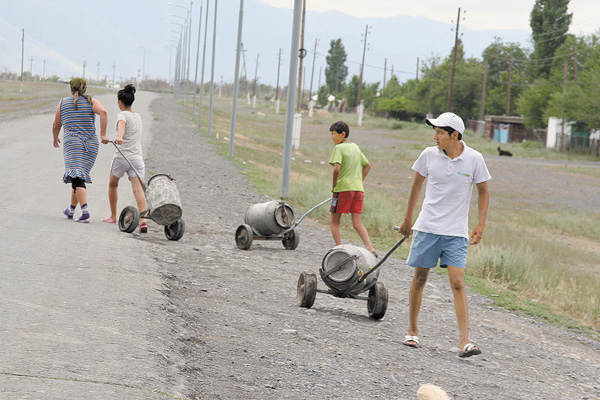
column 448, row 119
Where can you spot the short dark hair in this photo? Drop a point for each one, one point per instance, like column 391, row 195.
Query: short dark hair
column 127, row 95
column 450, row 131
column 339, row 127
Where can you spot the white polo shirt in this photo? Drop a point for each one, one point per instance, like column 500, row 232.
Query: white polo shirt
column 448, row 191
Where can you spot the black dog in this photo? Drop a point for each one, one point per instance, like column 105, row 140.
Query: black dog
column 504, row 152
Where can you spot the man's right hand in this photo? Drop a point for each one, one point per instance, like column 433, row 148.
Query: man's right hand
column 406, row 228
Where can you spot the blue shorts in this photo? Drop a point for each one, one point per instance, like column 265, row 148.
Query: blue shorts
column 427, row 248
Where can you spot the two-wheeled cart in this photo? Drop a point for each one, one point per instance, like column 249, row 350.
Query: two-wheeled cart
column 348, row 271
column 273, row 220
column 163, row 205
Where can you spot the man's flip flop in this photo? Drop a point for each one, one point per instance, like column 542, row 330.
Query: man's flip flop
column 411, row 341
column 469, row 350
column 108, row 220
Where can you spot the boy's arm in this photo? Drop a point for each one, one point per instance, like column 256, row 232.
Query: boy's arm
column 482, row 202
column 415, row 192
column 366, row 170
column 336, row 174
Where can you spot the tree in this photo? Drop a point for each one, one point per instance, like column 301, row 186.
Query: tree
column 336, row 70
column 549, row 23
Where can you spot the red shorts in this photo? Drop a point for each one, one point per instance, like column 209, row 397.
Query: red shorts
column 347, row 202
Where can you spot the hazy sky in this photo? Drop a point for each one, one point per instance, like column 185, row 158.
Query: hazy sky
column 480, row 14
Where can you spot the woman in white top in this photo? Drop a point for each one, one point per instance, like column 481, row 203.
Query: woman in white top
column 129, row 140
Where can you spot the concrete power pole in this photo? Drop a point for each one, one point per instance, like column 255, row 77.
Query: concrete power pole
column 22, row 56
column 362, row 67
column 291, row 98
column 302, row 54
column 449, row 106
column 483, row 91
column 277, row 90
column 255, row 79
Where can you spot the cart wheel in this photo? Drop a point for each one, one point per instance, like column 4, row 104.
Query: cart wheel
column 378, row 299
column 307, row 289
column 290, row 240
column 129, row 219
column 243, row 237
column 175, row 230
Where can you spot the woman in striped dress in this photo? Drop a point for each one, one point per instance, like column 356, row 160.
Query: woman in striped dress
column 76, row 115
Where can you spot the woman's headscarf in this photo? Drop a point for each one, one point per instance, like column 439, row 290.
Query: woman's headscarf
column 78, row 87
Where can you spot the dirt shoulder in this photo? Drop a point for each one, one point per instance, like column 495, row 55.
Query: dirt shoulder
column 237, row 331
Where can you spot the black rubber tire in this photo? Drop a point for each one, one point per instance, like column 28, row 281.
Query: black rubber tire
column 243, row 237
column 175, row 230
column 129, row 219
column 291, row 240
column 378, row 300
column 307, row 289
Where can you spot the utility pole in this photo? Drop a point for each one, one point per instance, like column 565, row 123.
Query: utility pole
column 562, row 133
column 362, row 67
column 197, row 61
column 510, row 61
column 277, row 90
column 302, row 54
column 384, row 71
column 575, row 64
column 31, row 68
column 22, row 56
column 212, row 71
column 98, row 72
column 449, row 106
column 236, row 78
column 431, row 85
column 44, row 70
column 289, row 120
column 201, row 95
column 113, row 81
column 313, row 71
column 483, row 91
column 255, row 78
column 245, row 73
column 417, row 81
column 83, row 70
column 391, row 77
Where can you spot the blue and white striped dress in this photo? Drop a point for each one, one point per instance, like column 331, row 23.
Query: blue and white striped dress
column 80, row 144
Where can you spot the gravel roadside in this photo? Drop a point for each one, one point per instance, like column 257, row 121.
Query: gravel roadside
column 238, row 333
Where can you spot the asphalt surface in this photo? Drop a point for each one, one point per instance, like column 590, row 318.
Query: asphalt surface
column 79, row 303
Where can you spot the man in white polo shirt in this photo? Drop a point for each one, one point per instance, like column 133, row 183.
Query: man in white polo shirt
column 441, row 231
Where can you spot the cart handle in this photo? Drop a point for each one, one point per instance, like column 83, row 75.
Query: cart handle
column 130, row 164
column 385, row 257
column 295, row 224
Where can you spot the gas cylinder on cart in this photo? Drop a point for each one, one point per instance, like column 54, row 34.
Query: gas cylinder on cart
column 343, row 265
column 270, row 218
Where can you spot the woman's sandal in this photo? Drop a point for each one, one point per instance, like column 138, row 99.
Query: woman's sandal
column 143, row 228
column 411, row 341
column 469, row 350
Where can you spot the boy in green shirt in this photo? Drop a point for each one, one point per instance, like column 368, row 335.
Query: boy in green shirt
column 350, row 168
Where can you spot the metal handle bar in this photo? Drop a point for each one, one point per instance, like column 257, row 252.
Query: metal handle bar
column 130, row 164
column 295, row 224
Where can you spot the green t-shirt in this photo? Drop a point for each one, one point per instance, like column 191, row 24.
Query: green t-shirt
column 351, row 161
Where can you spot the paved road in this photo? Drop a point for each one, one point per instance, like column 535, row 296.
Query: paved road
column 80, row 304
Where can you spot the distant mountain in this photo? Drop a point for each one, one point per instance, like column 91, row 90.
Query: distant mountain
column 132, row 35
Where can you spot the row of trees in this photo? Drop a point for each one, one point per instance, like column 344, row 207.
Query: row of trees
column 559, row 76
